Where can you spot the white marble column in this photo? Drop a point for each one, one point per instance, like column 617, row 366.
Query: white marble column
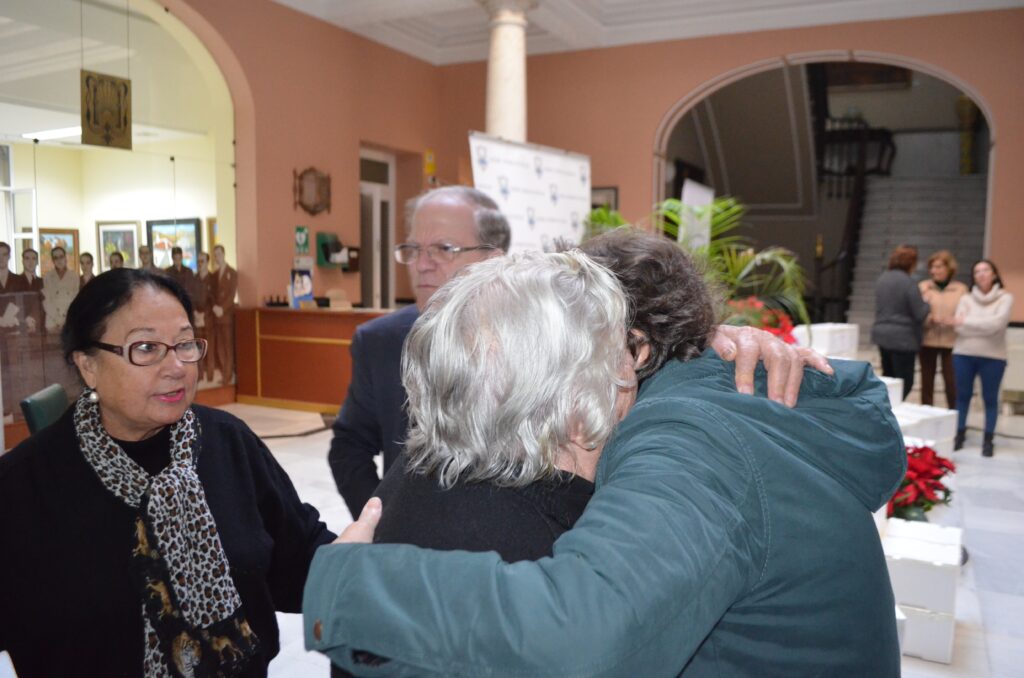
column 506, row 68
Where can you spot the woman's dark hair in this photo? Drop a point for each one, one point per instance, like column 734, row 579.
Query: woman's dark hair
column 904, row 257
column 105, row 294
column 994, row 270
column 669, row 300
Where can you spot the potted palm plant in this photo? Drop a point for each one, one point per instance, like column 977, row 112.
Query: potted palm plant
column 763, row 288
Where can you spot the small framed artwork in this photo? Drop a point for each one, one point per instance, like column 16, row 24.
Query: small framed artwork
column 604, row 196
column 165, row 234
column 50, row 238
column 117, row 236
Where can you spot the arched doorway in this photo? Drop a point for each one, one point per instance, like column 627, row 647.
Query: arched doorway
column 759, row 133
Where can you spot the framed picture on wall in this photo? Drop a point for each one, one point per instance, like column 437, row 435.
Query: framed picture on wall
column 604, row 196
column 49, row 238
column 165, row 234
column 117, row 236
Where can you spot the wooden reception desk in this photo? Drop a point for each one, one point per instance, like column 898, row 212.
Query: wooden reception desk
column 298, row 359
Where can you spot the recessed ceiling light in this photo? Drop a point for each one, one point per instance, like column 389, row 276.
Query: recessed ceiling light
column 61, row 133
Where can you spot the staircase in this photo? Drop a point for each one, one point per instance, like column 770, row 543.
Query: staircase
column 931, row 213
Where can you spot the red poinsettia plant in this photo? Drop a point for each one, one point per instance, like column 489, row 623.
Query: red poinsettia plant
column 922, row 488
column 755, row 313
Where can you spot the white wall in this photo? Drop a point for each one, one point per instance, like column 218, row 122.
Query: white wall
column 929, row 103
column 59, row 183
column 76, row 188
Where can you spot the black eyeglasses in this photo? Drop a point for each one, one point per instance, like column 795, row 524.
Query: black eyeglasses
column 147, row 353
column 443, row 253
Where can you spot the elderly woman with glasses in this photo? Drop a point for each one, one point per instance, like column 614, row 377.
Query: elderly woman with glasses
column 142, row 534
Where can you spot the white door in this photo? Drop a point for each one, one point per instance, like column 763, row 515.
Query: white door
column 377, row 228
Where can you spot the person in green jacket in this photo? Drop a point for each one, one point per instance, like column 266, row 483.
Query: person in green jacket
column 728, row 535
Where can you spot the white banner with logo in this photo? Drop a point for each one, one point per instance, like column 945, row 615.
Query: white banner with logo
column 544, row 192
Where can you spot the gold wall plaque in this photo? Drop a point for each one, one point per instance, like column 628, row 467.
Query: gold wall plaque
column 106, row 110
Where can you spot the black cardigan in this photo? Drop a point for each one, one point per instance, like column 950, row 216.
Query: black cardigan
column 67, row 604
column 519, row 523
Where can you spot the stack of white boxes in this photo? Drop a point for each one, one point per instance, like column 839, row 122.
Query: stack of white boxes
column 895, row 386
column 834, row 340
column 924, row 567
column 931, row 426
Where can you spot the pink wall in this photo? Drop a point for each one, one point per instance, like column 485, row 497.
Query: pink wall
column 307, row 93
column 609, row 103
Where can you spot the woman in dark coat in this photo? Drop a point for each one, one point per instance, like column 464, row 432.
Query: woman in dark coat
column 900, row 313
column 145, row 535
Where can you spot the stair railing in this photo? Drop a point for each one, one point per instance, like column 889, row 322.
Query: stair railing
column 844, row 169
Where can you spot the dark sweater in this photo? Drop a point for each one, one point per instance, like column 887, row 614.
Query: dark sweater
column 66, row 595
column 519, row 523
column 900, row 312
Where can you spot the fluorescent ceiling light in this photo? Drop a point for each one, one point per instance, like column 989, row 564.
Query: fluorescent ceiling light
column 60, row 133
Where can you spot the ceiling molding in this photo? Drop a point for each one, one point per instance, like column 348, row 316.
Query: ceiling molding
column 456, row 31
column 569, row 24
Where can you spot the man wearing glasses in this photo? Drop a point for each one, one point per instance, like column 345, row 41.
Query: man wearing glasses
column 448, row 228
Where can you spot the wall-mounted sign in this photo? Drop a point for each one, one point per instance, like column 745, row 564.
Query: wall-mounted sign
column 302, row 240
column 106, row 110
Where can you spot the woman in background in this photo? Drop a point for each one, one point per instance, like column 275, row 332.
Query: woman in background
column 942, row 294
column 899, row 317
column 980, row 349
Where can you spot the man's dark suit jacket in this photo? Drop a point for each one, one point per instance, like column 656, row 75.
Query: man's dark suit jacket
column 373, row 418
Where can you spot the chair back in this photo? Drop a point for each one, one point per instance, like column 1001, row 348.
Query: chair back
column 42, row 408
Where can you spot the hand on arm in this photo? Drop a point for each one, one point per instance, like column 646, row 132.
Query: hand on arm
column 783, row 362
column 361, row 530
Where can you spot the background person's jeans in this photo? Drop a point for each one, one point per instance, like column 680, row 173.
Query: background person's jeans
column 967, row 367
column 899, row 364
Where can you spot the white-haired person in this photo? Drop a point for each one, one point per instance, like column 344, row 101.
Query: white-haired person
column 728, row 535
column 515, row 469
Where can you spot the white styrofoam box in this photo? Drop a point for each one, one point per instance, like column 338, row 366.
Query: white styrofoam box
column 926, row 532
column 928, row 634
column 943, row 447
column 910, row 422
column 924, row 564
column 925, row 421
column 895, row 386
column 836, row 340
column 901, row 626
column 881, row 519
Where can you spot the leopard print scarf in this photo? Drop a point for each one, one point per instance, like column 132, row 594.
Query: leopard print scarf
column 192, row 613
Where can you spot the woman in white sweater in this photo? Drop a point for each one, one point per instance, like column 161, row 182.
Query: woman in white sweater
column 980, row 349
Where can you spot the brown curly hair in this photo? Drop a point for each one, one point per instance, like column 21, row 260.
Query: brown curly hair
column 904, row 257
column 669, row 300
